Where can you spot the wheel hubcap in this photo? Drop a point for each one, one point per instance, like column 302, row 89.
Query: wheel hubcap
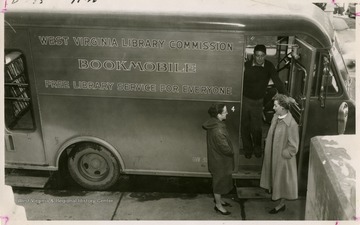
column 93, row 166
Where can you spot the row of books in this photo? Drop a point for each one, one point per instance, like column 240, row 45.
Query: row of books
column 19, row 105
column 16, row 87
column 15, row 68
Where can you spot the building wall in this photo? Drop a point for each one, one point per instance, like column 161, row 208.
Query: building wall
column 331, row 193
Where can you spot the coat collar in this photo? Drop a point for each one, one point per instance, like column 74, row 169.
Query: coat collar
column 287, row 119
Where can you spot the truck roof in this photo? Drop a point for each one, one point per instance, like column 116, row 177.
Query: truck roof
column 254, row 17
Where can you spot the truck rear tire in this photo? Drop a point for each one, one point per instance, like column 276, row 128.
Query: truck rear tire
column 93, row 166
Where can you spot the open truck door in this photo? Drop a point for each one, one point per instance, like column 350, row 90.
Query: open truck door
column 302, row 69
column 323, row 106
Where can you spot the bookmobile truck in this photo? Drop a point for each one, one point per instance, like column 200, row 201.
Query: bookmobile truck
column 123, row 87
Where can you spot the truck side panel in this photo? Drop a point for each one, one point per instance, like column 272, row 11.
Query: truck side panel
column 144, row 92
column 154, row 135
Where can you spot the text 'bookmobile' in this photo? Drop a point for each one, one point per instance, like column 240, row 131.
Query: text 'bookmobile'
column 124, row 87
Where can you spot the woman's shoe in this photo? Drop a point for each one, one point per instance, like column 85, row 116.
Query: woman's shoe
column 223, row 213
column 274, row 210
column 225, row 204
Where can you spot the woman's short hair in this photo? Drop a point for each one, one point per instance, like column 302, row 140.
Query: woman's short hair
column 283, row 101
column 216, row 109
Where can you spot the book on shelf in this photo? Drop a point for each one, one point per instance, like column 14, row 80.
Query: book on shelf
column 15, row 81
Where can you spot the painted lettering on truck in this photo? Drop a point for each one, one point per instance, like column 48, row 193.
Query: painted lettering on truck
column 172, row 67
column 138, row 43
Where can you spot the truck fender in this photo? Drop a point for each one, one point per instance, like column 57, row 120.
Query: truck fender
column 65, row 146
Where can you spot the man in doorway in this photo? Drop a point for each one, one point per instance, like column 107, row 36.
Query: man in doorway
column 258, row 73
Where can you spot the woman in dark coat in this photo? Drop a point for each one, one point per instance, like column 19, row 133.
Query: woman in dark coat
column 279, row 173
column 220, row 155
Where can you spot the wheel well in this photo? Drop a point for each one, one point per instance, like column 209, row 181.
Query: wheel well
column 70, row 146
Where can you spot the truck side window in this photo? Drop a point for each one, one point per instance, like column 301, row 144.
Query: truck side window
column 325, row 77
column 330, row 82
column 333, row 87
column 299, row 82
column 18, row 109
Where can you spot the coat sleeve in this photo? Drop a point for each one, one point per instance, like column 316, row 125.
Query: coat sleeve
column 293, row 142
column 222, row 144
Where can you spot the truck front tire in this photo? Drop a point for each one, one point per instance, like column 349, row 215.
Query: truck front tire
column 93, row 166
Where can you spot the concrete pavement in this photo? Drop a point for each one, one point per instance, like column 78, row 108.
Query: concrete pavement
column 85, row 205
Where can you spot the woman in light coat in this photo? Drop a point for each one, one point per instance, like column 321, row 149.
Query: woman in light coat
column 279, row 170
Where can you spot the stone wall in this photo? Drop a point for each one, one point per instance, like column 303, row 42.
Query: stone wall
column 331, row 189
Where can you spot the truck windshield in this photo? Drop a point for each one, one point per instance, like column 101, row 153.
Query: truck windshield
column 340, row 63
column 347, row 75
